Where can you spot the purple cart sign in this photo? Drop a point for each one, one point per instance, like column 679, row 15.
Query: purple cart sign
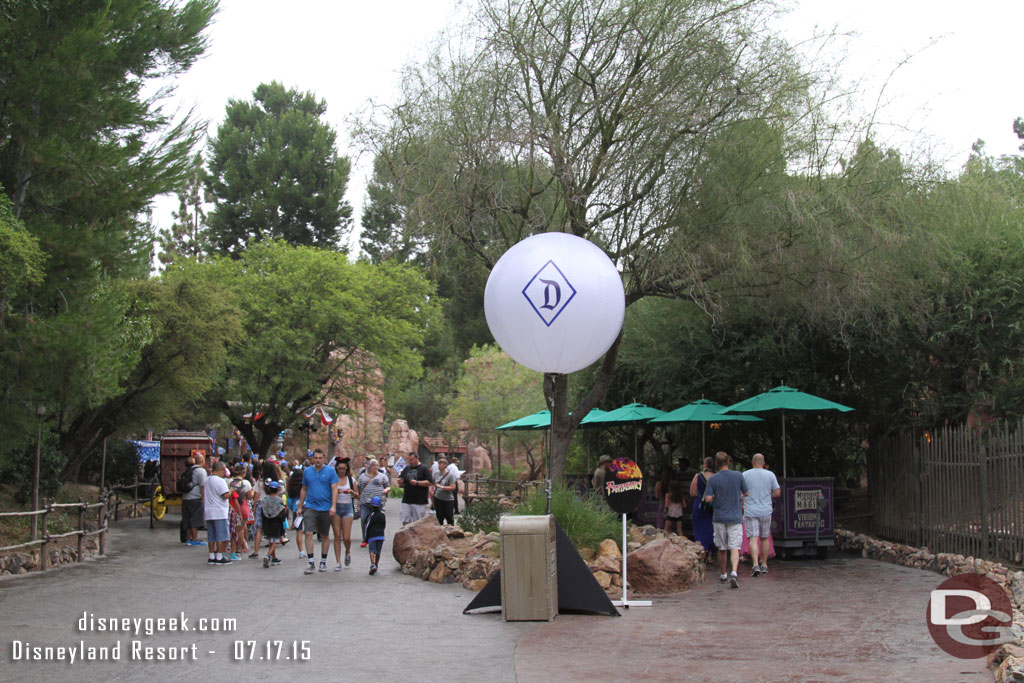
column 797, row 515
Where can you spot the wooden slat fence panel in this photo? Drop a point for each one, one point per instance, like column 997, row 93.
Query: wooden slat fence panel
column 953, row 490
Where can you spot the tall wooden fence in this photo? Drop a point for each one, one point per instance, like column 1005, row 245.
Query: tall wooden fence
column 953, row 490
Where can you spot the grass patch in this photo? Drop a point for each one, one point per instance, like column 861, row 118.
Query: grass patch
column 585, row 520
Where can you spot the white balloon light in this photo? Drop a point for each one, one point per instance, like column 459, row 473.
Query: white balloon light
column 554, row 302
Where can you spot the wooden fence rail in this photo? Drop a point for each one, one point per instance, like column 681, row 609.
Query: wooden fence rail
column 953, row 490
column 108, row 499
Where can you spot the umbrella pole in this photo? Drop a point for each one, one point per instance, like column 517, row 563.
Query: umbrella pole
column 783, row 443
column 703, row 449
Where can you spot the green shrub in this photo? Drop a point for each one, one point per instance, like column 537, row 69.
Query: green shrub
column 482, row 515
column 585, row 520
column 396, row 492
column 18, row 468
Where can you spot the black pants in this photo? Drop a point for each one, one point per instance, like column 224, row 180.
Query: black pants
column 445, row 510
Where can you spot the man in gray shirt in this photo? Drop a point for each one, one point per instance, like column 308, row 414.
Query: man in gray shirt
column 725, row 490
column 192, row 501
column 757, row 514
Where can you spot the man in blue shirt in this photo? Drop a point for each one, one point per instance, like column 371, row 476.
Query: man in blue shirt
column 316, row 506
column 757, row 513
column 725, row 490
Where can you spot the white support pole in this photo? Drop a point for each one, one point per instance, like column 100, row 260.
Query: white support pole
column 625, row 602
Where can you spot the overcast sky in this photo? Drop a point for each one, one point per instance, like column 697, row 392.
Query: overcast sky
column 961, row 83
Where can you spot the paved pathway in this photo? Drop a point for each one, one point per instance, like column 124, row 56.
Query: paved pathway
column 394, row 627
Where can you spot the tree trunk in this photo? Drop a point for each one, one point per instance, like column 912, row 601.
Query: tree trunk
column 564, row 424
column 260, row 435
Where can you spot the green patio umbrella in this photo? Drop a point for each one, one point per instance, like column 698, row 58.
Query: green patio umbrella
column 782, row 400
column 544, row 419
column 629, row 414
column 702, row 411
column 538, row 420
column 525, row 423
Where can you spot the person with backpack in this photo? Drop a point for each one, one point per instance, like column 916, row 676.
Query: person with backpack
column 376, row 522
column 190, row 485
column 274, row 512
column 269, row 473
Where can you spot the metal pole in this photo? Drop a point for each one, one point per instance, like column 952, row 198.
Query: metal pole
column 625, row 602
column 103, row 466
column 783, row 444
column 35, row 482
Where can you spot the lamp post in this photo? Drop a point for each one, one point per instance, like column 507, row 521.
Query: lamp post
column 103, row 466
column 40, row 411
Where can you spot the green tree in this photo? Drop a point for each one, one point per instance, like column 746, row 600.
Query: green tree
column 382, row 237
column 186, row 321
column 493, row 389
column 274, row 172
column 599, row 119
column 84, row 147
column 186, row 238
column 317, row 330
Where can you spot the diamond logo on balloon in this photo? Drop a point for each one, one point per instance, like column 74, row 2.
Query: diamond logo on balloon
column 549, row 292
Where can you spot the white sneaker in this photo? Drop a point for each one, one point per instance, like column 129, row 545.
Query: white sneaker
column 337, row 567
column 302, row 555
column 310, row 568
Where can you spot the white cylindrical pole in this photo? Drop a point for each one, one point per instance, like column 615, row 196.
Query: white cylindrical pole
column 624, row 602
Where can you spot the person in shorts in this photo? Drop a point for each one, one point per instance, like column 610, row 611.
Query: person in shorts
column 345, row 513
column 192, row 502
column 757, row 511
column 725, row 490
column 215, row 510
column 416, row 484
column 317, row 502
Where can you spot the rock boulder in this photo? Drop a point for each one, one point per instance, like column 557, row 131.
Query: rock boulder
column 423, row 534
column 667, row 565
column 608, row 548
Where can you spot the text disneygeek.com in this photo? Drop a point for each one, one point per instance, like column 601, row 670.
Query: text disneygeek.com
column 142, row 650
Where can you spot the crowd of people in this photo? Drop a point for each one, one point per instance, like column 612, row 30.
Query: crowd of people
column 726, row 506
column 254, row 504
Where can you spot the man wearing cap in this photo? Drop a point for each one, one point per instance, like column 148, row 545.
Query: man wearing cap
column 192, row 501
column 416, row 483
column 215, row 511
column 597, row 481
column 316, row 506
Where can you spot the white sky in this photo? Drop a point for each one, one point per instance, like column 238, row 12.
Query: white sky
column 962, row 83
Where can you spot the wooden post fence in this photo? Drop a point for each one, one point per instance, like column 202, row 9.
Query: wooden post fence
column 953, row 490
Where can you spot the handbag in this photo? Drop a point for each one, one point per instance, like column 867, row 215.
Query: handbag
column 355, row 497
column 706, row 507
